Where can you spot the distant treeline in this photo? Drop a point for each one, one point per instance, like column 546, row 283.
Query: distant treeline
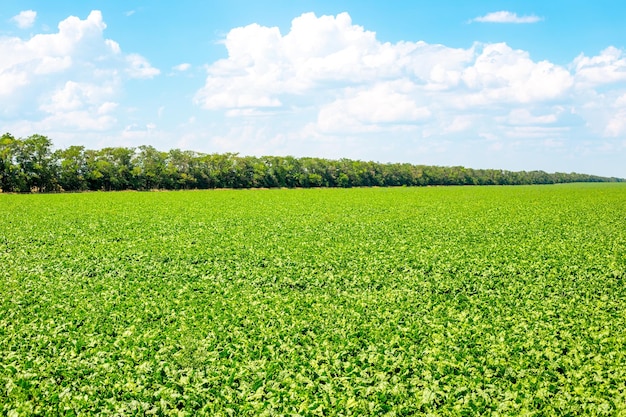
column 30, row 165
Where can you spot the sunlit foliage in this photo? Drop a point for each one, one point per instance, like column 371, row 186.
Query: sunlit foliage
column 30, row 165
column 375, row 301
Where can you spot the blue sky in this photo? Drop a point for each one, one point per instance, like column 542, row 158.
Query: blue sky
column 518, row 85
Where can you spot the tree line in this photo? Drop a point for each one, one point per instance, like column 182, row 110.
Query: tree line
column 31, row 165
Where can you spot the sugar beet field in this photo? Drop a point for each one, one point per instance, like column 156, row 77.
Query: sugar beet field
column 320, row 302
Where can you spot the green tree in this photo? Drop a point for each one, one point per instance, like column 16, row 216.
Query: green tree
column 28, row 165
column 72, row 168
column 150, row 167
column 182, row 169
column 36, row 164
column 8, row 168
column 120, row 167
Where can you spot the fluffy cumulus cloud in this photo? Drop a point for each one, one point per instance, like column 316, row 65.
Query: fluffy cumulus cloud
column 504, row 16
column 501, row 74
column 25, row 19
column 139, row 67
column 79, row 105
column 382, row 107
column 182, row 67
column 70, row 79
column 361, row 84
column 340, row 83
column 330, row 59
column 608, row 67
column 326, row 87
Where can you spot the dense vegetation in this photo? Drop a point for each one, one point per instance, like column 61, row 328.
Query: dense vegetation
column 370, row 301
column 29, row 164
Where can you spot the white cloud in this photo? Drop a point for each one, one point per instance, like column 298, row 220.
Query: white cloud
column 608, row 67
column 600, row 93
column 501, row 74
column 506, row 17
column 459, row 123
column 317, row 54
column 329, row 86
column 616, row 126
column 113, row 46
column 25, row 19
column 72, row 77
column 139, row 67
column 267, row 69
column 75, row 120
column 75, row 37
column 359, row 84
column 326, row 87
column 74, row 49
column 384, row 104
column 182, row 67
column 525, row 117
column 107, row 107
column 538, row 132
column 80, row 106
column 11, row 80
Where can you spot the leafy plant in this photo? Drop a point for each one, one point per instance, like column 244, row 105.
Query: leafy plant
column 435, row 301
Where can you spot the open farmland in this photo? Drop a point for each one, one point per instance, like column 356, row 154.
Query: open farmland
column 402, row 301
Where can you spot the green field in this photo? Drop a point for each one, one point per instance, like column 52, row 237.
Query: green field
column 374, row 301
